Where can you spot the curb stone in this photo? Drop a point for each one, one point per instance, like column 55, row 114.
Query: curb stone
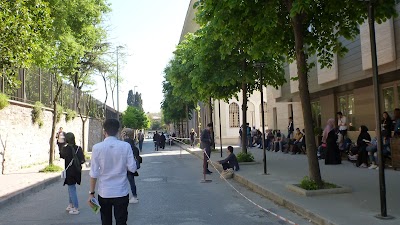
column 278, row 199
column 19, row 195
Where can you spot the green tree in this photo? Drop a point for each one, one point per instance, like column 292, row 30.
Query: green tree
column 134, row 118
column 131, row 99
column 23, row 28
column 296, row 29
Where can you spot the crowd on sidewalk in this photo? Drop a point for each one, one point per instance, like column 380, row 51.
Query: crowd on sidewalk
column 334, row 143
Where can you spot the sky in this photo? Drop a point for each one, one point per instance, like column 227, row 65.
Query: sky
column 150, row 31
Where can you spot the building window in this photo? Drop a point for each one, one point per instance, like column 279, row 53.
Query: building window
column 234, row 119
column 346, row 106
column 388, row 100
column 316, row 114
column 265, row 114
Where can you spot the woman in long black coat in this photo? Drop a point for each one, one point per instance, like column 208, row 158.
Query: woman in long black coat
column 362, row 140
column 329, row 137
column 74, row 170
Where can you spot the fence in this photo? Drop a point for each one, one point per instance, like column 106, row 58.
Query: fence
column 38, row 85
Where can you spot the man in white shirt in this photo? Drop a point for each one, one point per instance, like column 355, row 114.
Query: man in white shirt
column 111, row 159
column 342, row 124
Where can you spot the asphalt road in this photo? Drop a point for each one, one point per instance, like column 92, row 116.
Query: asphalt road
column 169, row 192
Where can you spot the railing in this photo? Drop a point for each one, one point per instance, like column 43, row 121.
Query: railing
column 37, row 85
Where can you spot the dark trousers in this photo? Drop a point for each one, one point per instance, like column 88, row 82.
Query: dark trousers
column 205, row 159
column 156, row 145
column 140, row 145
column 120, row 205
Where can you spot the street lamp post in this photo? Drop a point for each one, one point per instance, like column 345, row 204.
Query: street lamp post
column 118, row 47
column 260, row 66
column 375, row 81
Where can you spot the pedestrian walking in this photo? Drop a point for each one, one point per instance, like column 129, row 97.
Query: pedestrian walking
column 60, row 136
column 162, row 140
column 193, row 136
column 127, row 135
column 73, row 156
column 141, row 139
column 205, row 144
column 109, row 169
column 156, row 140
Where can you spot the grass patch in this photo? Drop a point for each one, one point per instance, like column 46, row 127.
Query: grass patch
column 245, row 157
column 308, row 184
column 51, row 169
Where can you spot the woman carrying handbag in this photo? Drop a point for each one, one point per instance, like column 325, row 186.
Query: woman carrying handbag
column 74, row 158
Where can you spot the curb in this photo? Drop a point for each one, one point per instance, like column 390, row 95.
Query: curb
column 19, row 195
column 278, row 199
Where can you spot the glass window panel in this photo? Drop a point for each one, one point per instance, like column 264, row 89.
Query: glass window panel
column 234, row 115
column 388, row 99
column 343, row 104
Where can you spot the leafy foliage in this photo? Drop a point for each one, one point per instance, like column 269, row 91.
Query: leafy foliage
column 37, row 114
column 245, row 157
column 134, row 118
column 70, row 115
column 3, row 101
column 308, row 184
column 59, row 112
column 135, row 100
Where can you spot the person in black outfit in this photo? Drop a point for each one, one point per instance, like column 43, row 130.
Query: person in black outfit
column 362, row 140
column 230, row 161
column 387, row 127
column 162, row 140
column 156, row 140
column 205, row 144
column 332, row 156
column 74, row 170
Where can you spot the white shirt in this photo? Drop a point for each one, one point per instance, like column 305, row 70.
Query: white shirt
column 342, row 123
column 111, row 159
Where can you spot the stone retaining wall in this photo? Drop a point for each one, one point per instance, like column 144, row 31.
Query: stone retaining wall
column 26, row 144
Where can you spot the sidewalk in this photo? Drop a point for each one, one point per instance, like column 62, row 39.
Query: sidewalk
column 14, row 186
column 356, row 208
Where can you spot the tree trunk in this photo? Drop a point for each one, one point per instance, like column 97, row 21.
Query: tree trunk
column 244, row 117
column 53, row 127
column 187, row 120
column 313, row 165
column 211, row 121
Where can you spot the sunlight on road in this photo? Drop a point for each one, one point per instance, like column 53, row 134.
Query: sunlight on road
column 163, row 153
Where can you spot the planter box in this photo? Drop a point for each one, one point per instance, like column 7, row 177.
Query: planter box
column 296, row 188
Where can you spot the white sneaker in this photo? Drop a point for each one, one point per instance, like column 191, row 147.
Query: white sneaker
column 373, row 166
column 133, row 200
column 377, row 168
column 363, row 165
column 74, row 211
column 69, row 207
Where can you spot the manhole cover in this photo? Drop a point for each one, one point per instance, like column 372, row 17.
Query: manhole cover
column 153, row 179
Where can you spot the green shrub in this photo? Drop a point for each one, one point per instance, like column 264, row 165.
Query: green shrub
column 309, row 184
column 37, row 114
column 3, row 101
column 71, row 114
column 59, row 112
column 245, row 157
column 51, row 169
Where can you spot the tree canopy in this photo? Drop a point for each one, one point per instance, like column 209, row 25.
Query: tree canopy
column 135, row 118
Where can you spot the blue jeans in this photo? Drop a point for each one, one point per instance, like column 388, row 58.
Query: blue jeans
column 73, row 198
column 140, row 145
column 131, row 180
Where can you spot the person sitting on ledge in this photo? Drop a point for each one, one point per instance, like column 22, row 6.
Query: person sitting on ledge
column 230, row 161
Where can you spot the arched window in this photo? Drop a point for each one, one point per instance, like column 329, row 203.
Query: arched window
column 234, row 115
column 265, row 114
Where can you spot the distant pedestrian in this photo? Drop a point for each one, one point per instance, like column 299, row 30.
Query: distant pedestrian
column 342, row 124
column 60, row 136
column 162, row 140
column 156, row 140
column 332, row 155
column 193, row 136
column 205, row 145
column 290, row 128
column 141, row 139
column 111, row 159
column 127, row 135
column 73, row 156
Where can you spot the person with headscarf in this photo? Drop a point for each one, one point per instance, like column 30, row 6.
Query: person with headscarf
column 362, row 142
column 127, row 135
column 332, row 156
column 73, row 156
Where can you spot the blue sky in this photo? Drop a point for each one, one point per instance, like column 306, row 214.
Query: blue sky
column 150, row 30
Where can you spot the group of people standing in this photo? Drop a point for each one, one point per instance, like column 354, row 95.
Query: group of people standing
column 159, row 140
column 112, row 180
